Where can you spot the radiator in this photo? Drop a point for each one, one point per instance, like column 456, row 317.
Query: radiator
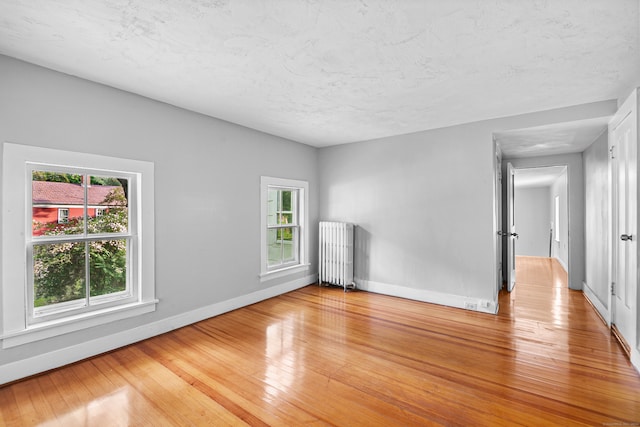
column 336, row 254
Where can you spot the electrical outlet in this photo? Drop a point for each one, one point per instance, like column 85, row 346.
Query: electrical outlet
column 471, row 306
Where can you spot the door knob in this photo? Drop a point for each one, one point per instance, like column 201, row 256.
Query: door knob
column 626, row 237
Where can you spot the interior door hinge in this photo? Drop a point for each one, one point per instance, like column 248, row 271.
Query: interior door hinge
column 611, row 152
column 613, row 288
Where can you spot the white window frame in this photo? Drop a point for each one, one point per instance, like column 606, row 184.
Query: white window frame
column 294, row 225
column 87, row 304
column 99, row 212
column 302, row 264
column 17, row 329
column 63, row 216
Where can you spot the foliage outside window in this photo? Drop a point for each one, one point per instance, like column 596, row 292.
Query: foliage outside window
column 282, row 225
column 284, row 231
column 82, row 261
column 94, row 269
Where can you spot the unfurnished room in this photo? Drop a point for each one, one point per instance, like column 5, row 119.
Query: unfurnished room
column 342, row 213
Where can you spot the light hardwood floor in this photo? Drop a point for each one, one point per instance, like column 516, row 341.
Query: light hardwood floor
column 319, row 356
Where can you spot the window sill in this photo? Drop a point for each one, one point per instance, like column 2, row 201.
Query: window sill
column 282, row 272
column 44, row 330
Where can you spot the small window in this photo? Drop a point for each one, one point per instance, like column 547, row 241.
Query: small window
column 63, row 216
column 100, row 212
column 284, row 231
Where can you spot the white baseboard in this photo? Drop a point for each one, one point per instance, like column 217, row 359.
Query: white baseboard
column 34, row 365
column 595, row 302
column 457, row 301
column 606, row 315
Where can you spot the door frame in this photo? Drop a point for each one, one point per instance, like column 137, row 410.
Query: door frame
column 497, row 197
column 512, row 235
column 575, row 207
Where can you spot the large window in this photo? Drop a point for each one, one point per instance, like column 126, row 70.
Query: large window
column 81, row 261
column 284, row 231
column 74, row 251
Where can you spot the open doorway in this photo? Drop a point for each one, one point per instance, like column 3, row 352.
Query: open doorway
column 559, row 144
column 541, row 217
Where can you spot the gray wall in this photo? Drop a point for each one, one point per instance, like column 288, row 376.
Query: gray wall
column 597, row 221
column 424, row 205
column 424, row 202
column 207, row 183
column 532, row 220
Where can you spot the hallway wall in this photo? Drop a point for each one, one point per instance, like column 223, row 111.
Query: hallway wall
column 597, row 223
column 532, row 220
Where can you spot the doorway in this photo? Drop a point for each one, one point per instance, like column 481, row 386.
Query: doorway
column 557, row 144
column 541, row 214
column 537, row 214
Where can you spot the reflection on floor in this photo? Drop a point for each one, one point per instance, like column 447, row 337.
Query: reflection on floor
column 322, row 356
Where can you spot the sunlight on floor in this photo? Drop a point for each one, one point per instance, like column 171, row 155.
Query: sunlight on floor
column 112, row 409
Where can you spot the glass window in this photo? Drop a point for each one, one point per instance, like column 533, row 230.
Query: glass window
column 63, row 216
column 77, row 221
column 284, row 231
column 71, row 268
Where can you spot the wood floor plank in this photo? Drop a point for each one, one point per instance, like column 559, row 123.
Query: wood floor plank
column 322, row 356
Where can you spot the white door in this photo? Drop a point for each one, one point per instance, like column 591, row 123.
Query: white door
column 511, row 229
column 623, row 140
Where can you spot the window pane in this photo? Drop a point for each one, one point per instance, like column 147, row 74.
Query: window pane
column 286, row 218
column 286, row 200
column 287, row 213
column 58, row 273
column 57, row 203
column 109, row 196
column 287, row 237
column 107, row 266
column 274, row 247
column 272, row 206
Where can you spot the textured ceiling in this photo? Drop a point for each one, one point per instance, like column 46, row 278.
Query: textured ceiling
column 329, row 72
column 538, row 177
column 561, row 138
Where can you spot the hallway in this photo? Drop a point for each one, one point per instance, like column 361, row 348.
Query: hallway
column 542, row 291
